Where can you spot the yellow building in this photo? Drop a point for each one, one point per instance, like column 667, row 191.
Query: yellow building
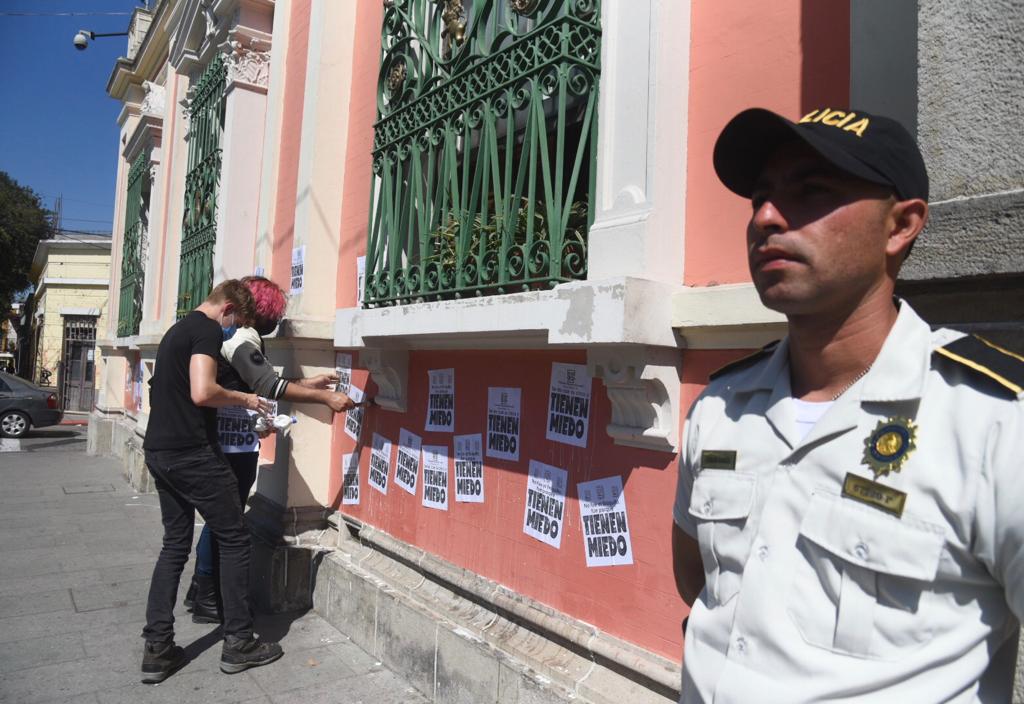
column 71, row 275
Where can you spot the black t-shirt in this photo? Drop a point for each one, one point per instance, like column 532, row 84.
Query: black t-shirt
column 175, row 423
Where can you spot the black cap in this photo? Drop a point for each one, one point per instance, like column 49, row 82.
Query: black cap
column 872, row 147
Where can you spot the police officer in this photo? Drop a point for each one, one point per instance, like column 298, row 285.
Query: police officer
column 847, row 520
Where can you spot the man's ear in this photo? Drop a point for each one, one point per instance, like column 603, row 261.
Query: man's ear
column 907, row 220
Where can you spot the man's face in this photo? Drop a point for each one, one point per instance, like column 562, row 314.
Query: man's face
column 816, row 238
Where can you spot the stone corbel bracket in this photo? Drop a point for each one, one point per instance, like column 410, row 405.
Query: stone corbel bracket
column 642, row 383
column 389, row 369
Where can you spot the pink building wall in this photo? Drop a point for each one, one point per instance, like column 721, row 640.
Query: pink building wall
column 786, row 56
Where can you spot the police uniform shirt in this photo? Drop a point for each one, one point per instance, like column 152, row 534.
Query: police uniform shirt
column 817, row 588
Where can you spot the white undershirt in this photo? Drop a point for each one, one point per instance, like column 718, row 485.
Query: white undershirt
column 808, row 413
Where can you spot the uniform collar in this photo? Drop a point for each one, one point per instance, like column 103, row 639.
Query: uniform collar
column 897, row 374
column 900, row 370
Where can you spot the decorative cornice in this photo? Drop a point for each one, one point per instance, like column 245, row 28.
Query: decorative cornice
column 155, row 101
column 247, row 66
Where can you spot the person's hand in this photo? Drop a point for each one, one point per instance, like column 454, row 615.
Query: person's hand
column 255, row 403
column 321, row 381
column 339, row 402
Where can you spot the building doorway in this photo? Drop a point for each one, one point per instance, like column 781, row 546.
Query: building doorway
column 78, row 363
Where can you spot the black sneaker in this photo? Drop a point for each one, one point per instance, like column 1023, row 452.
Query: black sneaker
column 240, row 654
column 160, row 661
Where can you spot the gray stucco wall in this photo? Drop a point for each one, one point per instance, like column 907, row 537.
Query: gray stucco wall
column 970, row 87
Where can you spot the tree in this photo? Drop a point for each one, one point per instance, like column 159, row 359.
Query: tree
column 23, row 222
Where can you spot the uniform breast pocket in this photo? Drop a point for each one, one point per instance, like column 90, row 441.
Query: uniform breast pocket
column 721, row 502
column 864, row 579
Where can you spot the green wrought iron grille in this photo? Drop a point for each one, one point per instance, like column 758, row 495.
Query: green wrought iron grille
column 484, row 147
column 199, row 226
column 129, row 311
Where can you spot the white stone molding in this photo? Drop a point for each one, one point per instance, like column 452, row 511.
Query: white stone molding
column 643, row 384
column 247, row 66
column 389, row 369
column 725, row 317
column 154, row 103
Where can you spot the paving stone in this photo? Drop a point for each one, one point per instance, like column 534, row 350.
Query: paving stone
column 35, row 603
column 109, row 595
column 300, row 669
column 377, row 687
column 33, row 652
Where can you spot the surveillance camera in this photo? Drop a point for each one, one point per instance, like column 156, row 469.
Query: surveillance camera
column 82, row 40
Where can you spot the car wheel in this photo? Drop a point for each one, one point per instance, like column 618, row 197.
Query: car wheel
column 13, row 424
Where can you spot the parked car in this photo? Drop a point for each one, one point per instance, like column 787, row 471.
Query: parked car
column 24, row 405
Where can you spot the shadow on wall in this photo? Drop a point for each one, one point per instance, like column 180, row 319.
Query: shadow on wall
column 825, row 48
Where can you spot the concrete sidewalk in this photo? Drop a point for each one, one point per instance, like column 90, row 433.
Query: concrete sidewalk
column 76, row 550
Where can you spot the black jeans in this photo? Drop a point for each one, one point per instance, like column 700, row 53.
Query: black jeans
column 187, row 481
column 243, row 464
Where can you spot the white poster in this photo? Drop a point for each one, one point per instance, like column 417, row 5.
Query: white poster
column 259, row 271
column 441, row 401
column 360, row 278
column 298, row 268
column 469, row 468
column 350, row 478
column 605, row 529
column 569, row 404
column 545, row 503
column 354, row 417
column 435, row 476
column 343, row 368
column 503, row 422
column 380, row 463
column 234, row 430
column 407, row 463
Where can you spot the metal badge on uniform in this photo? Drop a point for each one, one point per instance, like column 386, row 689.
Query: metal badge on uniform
column 889, row 445
column 718, row 459
column 874, row 494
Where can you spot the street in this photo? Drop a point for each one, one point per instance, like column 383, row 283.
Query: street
column 76, row 549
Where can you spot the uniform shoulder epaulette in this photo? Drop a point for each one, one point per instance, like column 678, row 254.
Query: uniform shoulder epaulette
column 745, row 361
column 1002, row 366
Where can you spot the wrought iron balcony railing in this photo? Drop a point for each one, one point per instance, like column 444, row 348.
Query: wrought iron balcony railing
column 484, row 148
column 129, row 311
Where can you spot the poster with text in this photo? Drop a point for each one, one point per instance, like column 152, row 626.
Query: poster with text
column 441, row 401
column 343, row 368
column 350, row 478
column 435, row 476
column 605, row 528
column 469, row 468
column 298, row 269
column 380, row 463
column 407, row 463
column 234, row 430
column 545, row 503
column 569, row 404
column 354, row 417
column 503, row 422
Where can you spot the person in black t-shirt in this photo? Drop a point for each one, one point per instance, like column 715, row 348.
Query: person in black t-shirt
column 190, row 474
column 243, row 366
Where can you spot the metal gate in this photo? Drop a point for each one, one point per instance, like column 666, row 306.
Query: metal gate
column 78, row 364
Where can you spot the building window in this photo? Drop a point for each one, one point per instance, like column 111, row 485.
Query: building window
column 129, row 312
column 199, row 225
column 484, row 148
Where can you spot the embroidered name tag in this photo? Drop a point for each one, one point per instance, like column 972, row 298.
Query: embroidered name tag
column 880, row 496
column 718, row 459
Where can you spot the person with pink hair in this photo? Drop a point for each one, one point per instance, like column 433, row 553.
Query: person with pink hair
column 243, row 366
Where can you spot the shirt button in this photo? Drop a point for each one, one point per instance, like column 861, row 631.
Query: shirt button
column 741, row 645
column 762, row 552
column 861, row 551
column 706, row 507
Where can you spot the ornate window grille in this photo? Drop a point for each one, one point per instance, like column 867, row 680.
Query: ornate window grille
column 484, row 147
column 129, row 312
column 199, row 226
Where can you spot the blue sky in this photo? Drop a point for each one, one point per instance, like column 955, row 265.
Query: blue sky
column 58, row 127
